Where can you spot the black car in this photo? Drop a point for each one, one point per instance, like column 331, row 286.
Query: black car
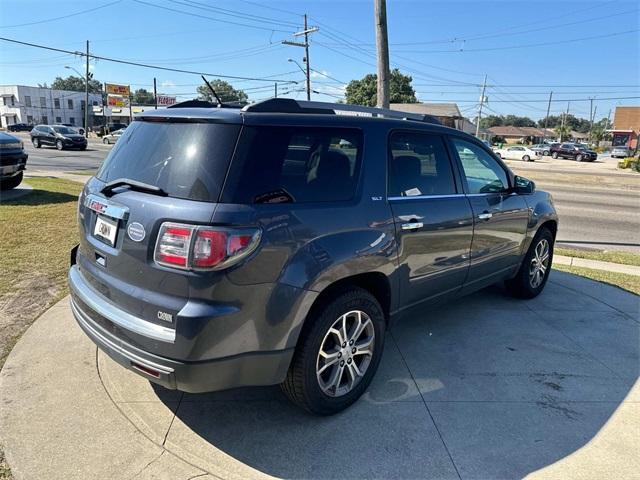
column 13, row 161
column 275, row 244
column 58, row 136
column 19, row 127
column 575, row 151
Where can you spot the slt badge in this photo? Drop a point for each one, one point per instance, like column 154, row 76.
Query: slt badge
column 136, row 232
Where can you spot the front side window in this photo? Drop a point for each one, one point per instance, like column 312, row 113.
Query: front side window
column 419, row 165
column 482, row 172
column 294, row 164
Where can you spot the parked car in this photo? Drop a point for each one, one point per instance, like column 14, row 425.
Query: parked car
column 112, row 127
column 19, row 127
column 543, row 148
column 58, row 136
column 574, row 151
column 517, row 152
column 246, row 247
column 621, row 152
column 13, row 161
column 113, row 137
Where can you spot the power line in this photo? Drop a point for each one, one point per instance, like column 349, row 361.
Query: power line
column 142, row 65
column 199, row 15
column 235, row 14
column 62, row 17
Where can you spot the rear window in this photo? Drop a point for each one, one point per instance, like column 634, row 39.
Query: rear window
column 295, row 165
column 186, row 160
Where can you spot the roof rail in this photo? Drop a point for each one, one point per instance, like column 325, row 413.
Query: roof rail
column 289, row 105
column 195, row 103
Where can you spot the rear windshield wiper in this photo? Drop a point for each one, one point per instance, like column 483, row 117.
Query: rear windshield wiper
column 133, row 185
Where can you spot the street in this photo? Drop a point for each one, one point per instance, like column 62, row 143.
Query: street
column 598, row 205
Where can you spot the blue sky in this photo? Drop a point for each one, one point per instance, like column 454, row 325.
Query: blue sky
column 577, row 49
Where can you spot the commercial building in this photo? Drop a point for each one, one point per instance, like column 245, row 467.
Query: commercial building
column 34, row 105
column 626, row 127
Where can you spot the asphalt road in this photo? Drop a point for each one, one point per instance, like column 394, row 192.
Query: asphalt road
column 598, row 207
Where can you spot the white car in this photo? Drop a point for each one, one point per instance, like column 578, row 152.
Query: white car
column 112, row 137
column 518, row 152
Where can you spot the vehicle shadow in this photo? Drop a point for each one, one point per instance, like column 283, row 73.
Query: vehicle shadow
column 36, row 197
column 488, row 387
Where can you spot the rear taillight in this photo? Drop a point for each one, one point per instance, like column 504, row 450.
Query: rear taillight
column 193, row 247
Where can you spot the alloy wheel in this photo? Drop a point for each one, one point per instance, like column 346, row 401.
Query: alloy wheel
column 539, row 264
column 345, row 353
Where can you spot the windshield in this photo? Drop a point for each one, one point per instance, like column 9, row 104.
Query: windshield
column 186, row 160
column 64, row 130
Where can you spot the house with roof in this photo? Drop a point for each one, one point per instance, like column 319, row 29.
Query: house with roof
column 513, row 134
column 447, row 113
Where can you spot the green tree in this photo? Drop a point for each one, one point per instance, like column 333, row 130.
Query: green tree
column 563, row 132
column 365, row 91
column 225, row 91
column 142, row 97
column 492, row 121
column 76, row 84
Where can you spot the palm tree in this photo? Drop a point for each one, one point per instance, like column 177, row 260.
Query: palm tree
column 563, row 132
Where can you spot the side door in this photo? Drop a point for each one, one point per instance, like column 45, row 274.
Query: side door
column 48, row 136
column 432, row 216
column 500, row 216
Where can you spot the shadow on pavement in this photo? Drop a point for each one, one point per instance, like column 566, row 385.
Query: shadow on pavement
column 488, row 387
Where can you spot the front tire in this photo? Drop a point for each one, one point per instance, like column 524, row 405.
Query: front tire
column 579, row 158
column 105, row 141
column 11, row 183
column 554, row 155
column 526, row 158
column 59, row 145
column 338, row 353
column 536, row 266
column 36, row 142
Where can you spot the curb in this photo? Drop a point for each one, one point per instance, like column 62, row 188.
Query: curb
column 596, row 265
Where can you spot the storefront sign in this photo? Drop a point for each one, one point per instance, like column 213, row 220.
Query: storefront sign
column 112, row 88
column 166, row 100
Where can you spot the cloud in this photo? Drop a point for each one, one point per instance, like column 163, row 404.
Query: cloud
column 167, row 83
column 319, row 74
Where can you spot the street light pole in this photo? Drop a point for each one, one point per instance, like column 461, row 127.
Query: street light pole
column 86, row 96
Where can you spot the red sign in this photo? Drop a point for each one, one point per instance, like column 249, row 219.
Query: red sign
column 166, row 100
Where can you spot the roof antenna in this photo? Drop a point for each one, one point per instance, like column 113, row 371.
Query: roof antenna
column 212, row 91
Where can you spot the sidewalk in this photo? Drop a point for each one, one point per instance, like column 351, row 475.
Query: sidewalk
column 486, row 387
column 596, row 265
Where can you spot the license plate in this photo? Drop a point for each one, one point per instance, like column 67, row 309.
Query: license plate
column 106, row 229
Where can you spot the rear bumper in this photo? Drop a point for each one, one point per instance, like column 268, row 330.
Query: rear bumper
column 247, row 369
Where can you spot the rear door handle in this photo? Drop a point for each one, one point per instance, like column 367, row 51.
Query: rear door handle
column 412, row 225
column 485, row 216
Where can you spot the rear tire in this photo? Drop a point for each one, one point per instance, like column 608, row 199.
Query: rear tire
column 36, row 142
column 11, row 183
column 105, row 141
column 536, row 266
column 334, row 362
column 526, row 158
column 579, row 158
column 498, row 155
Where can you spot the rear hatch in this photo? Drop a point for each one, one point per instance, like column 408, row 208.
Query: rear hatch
column 161, row 170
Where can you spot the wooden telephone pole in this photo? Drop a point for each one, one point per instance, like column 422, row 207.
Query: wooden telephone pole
column 382, row 50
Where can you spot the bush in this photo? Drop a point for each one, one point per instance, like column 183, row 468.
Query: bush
column 630, row 162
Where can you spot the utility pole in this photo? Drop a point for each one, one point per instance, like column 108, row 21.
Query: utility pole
column 544, row 136
column 590, row 117
column 593, row 117
column 563, row 121
column 484, row 87
column 275, row 90
column 155, row 93
column 382, row 51
column 305, row 45
column 86, row 96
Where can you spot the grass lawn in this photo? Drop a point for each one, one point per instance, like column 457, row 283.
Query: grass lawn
column 631, row 283
column 37, row 232
column 625, row 258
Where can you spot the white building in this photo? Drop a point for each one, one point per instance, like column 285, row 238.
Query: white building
column 34, row 105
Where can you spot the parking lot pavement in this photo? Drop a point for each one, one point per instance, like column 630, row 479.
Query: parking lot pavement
column 488, row 387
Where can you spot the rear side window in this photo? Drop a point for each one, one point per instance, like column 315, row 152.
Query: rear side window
column 294, row 165
column 419, row 165
column 186, row 160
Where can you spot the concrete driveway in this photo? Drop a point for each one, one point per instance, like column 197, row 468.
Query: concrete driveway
column 485, row 388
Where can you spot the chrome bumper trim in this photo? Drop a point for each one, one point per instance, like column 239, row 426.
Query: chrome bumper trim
column 121, row 318
column 83, row 318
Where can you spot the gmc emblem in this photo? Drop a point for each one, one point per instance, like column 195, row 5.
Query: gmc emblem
column 97, row 206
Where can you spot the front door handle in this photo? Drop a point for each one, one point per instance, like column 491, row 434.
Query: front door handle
column 485, row 216
column 412, row 225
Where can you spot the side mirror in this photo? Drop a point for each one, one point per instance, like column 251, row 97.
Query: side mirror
column 523, row 186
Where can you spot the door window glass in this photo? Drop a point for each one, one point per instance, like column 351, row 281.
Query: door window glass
column 482, row 172
column 419, row 165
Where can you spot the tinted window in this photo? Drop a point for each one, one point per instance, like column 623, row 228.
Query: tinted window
column 419, row 165
column 483, row 173
column 289, row 164
column 186, row 160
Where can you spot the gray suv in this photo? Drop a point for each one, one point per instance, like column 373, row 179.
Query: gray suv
column 275, row 244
